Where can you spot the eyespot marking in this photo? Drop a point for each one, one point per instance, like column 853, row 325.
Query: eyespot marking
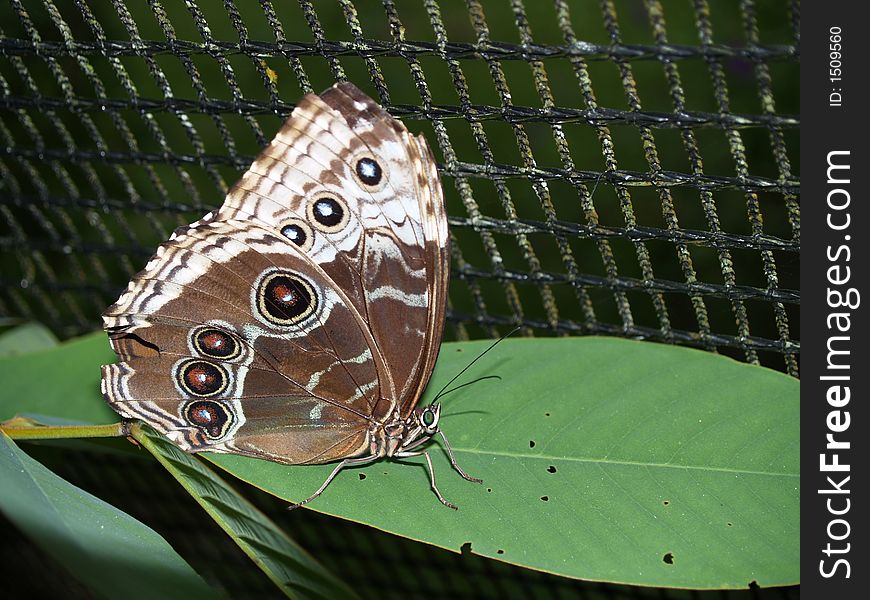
column 328, row 213
column 298, row 232
column 369, row 171
column 285, row 298
column 209, row 416
column 202, row 378
column 216, row 343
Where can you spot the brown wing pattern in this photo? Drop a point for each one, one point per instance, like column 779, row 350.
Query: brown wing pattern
column 306, row 308
column 204, row 282
column 409, row 338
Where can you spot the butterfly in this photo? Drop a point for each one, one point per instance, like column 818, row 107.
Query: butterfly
column 301, row 321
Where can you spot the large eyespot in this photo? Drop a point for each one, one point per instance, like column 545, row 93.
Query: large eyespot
column 298, row 232
column 209, row 416
column 285, row 298
column 369, row 171
column 216, row 343
column 328, row 212
column 202, row 378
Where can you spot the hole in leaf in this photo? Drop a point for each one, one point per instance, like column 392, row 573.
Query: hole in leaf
column 729, row 524
column 362, row 476
column 668, row 558
column 531, row 443
column 545, row 498
column 465, row 549
column 666, row 502
column 551, row 469
column 546, row 414
column 499, row 551
column 753, row 585
column 488, row 489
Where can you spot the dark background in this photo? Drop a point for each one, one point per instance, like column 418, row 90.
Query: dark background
column 117, row 127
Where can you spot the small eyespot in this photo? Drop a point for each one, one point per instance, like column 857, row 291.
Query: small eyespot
column 202, row 378
column 295, row 234
column 209, row 416
column 216, row 343
column 298, row 232
column 328, row 212
column 285, row 298
column 369, row 171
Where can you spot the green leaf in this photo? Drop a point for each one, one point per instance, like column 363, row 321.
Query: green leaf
column 673, row 467
column 602, row 459
column 61, row 382
column 107, row 550
column 73, row 394
column 286, row 563
column 26, row 337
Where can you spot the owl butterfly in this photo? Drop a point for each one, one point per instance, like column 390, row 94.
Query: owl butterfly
column 300, row 322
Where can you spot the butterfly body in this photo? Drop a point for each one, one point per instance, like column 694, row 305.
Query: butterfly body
column 301, row 321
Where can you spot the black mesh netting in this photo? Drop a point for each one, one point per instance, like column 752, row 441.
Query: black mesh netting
column 614, row 167
column 609, row 169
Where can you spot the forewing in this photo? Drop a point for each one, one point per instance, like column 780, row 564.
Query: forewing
column 391, row 256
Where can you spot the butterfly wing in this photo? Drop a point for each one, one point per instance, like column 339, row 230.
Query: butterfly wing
column 233, row 340
column 392, row 256
column 304, row 310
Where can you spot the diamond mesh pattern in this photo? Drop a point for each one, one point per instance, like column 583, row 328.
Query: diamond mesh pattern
column 614, row 168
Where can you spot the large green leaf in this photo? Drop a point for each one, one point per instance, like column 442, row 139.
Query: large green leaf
column 603, row 459
column 110, row 552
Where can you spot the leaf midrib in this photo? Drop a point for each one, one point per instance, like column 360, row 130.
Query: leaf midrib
column 620, row 462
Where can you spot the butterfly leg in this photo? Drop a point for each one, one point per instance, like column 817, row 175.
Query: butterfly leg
column 347, row 462
column 453, row 462
column 431, row 475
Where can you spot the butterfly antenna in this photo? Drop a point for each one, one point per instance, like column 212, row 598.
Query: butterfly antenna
column 479, row 356
column 462, row 385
